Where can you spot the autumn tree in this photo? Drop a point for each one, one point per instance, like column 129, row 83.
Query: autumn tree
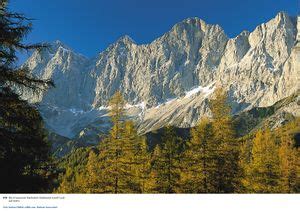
column 289, row 164
column 165, row 164
column 199, row 164
column 225, row 143
column 141, row 162
column 71, row 182
column 94, row 178
column 121, row 163
column 262, row 173
column 72, row 171
column 154, row 181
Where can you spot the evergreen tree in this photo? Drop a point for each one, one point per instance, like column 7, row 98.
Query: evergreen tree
column 199, row 165
column 24, row 151
column 262, row 173
column 165, row 169
column 225, row 143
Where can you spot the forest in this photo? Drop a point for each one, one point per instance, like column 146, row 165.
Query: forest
column 214, row 159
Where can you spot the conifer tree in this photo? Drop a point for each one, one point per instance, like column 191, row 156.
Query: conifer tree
column 117, row 114
column 262, row 173
column 71, row 183
column 199, row 165
column 122, row 156
column 244, row 160
column 154, row 183
column 142, row 161
column 24, row 151
column 289, row 165
column 74, row 179
column 134, row 158
column 94, row 180
column 225, row 142
column 165, row 170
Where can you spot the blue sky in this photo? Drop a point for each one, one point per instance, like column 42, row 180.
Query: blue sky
column 89, row 26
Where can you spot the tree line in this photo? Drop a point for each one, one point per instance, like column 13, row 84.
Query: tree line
column 213, row 160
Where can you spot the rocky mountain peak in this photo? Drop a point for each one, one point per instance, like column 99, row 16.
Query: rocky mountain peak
column 125, row 39
column 123, row 42
column 55, row 46
column 282, row 16
column 191, row 28
column 169, row 80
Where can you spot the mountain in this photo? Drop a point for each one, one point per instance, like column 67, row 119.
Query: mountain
column 169, row 81
column 246, row 123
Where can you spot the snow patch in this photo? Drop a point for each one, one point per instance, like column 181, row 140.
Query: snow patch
column 193, row 92
column 103, row 108
column 141, row 105
column 205, row 90
column 169, row 101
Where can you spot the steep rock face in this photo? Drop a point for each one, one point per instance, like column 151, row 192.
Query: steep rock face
column 170, row 65
column 67, row 69
column 169, row 80
column 254, row 79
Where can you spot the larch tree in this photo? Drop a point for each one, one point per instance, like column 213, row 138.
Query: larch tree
column 134, row 159
column 144, row 159
column 244, row 160
column 289, row 165
column 262, row 174
column 141, row 163
column 226, row 144
column 73, row 176
column 94, row 180
column 71, row 182
column 165, row 170
column 154, row 181
column 122, row 156
column 199, row 163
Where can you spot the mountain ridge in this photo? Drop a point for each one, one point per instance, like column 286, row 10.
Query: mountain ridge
column 257, row 69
